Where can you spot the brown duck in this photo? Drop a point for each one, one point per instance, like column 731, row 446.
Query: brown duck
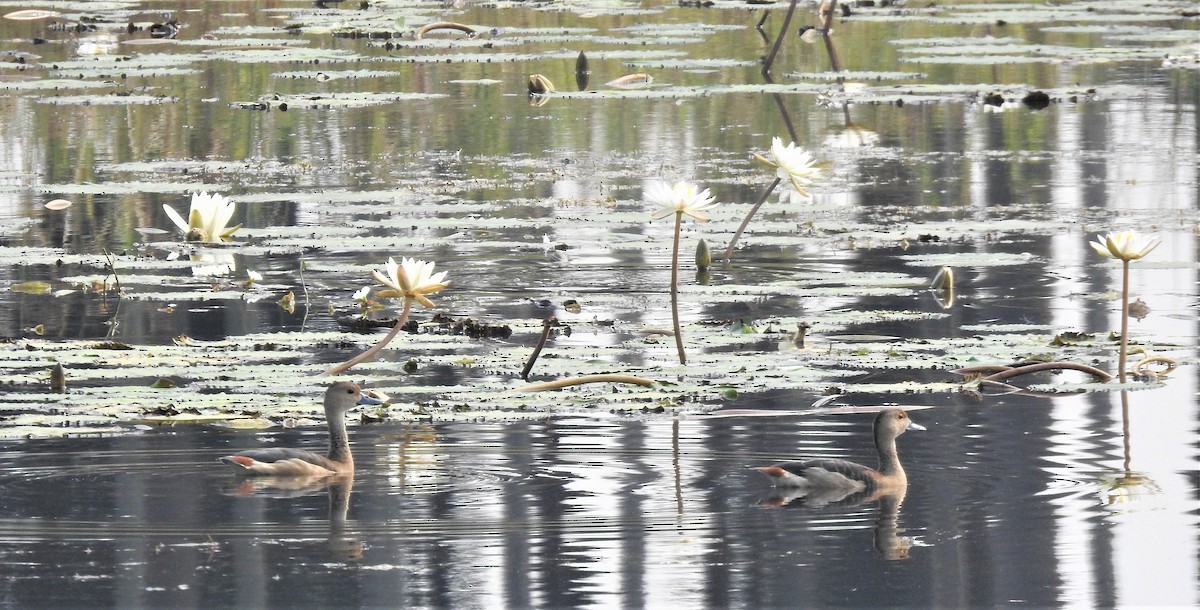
column 825, row 477
column 339, row 398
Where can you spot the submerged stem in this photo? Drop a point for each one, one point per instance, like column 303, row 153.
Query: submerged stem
column 750, row 216
column 375, row 349
column 675, row 289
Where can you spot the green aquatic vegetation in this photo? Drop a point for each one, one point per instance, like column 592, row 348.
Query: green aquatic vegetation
column 465, row 58
column 683, row 92
column 275, row 377
column 1017, row 13
column 969, row 259
column 328, row 75
column 664, row 29
column 341, row 100
column 125, row 72
column 200, row 166
column 1033, row 54
column 622, row 54
column 127, row 188
column 398, row 45
column 111, row 99
column 691, row 63
column 487, row 204
column 52, row 84
column 957, row 41
column 274, row 54
column 856, row 75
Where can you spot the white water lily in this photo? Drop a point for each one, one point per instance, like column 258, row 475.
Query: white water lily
column 411, row 279
column 684, row 197
column 207, row 218
column 793, row 164
column 1124, row 246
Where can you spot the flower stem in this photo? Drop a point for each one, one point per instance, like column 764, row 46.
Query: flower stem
column 375, row 349
column 1124, row 320
column 749, row 216
column 675, row 289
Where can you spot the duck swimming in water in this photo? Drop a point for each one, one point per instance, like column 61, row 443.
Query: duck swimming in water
column 339, row 398
column 828, row 477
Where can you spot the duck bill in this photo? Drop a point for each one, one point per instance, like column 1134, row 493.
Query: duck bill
column 912, row 425
column 369, row 398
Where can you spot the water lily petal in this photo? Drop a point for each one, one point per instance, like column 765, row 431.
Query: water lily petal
column 794, row 164
column 682, row 198
column 1101, row 249
column 412, row 279
column 1124, row 246
column 176, row 218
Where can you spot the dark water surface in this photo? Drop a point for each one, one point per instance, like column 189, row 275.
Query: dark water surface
column 1085, row 500
column 1010, row 502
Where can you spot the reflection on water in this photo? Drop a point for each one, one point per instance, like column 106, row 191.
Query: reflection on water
column 888, row 541
column 580, row 511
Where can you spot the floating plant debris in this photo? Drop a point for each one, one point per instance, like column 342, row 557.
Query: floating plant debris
column 365, row 140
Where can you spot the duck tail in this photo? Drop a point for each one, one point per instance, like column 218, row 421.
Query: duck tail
column 773, row 471
column 239, row 461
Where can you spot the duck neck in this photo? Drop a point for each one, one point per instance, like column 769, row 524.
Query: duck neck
column 889, row 461
column 339, row 444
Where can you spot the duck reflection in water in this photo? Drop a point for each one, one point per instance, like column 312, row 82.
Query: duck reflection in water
column 341, row 545
column 817, row 483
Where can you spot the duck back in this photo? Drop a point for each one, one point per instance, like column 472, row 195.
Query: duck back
column 824, row 474
column 282, row 461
